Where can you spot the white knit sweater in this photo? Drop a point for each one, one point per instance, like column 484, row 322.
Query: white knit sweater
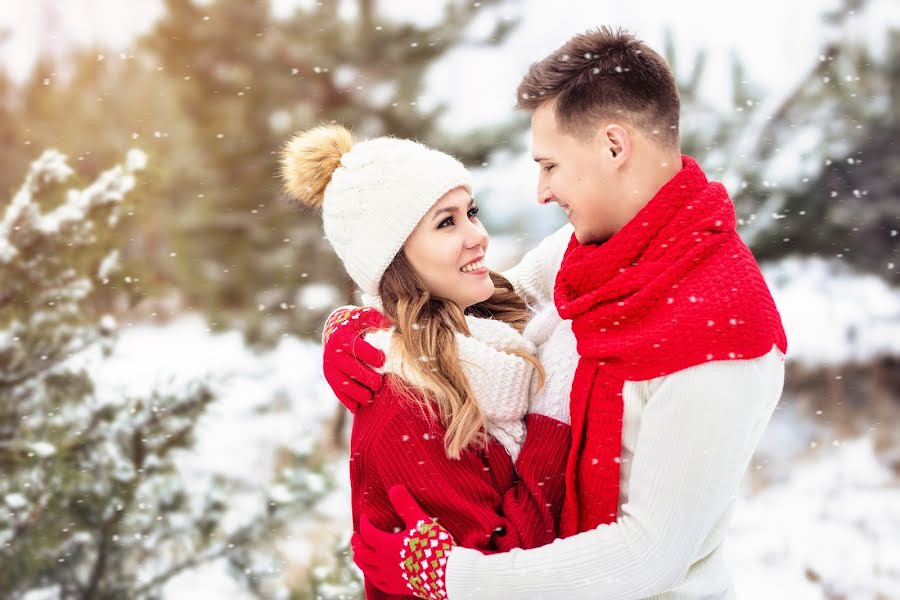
column 687, row 439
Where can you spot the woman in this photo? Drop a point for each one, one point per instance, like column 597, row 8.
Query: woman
column 449, row 423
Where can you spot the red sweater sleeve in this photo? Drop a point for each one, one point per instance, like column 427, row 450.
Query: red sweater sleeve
column 541, row 469
column 478, row 498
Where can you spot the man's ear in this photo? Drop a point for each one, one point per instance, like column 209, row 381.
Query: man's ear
column 616, row 143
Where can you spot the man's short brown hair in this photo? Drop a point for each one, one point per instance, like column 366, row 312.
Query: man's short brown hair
column 605, row 74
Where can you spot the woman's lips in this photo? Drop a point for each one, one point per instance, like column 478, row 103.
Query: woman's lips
column 476, row 266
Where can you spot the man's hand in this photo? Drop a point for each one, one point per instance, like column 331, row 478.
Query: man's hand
column 411, row 561
column 345, row 354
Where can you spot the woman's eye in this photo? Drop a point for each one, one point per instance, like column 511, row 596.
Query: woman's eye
column 473, row 212
column 445, row 223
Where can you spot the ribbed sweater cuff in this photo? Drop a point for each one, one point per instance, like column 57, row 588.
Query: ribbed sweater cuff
column 547, row 443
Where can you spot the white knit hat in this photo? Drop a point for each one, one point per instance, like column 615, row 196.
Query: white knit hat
column 377, row 193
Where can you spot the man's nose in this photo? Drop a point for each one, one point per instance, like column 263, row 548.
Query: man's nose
column 545, row 195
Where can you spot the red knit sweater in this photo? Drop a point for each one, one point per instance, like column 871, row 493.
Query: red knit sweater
column 483, row 500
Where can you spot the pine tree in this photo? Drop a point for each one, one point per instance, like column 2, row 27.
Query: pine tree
column 847, row 206
column 246, row 81
column 83, row 478
column 813, row 171
column 11, row 144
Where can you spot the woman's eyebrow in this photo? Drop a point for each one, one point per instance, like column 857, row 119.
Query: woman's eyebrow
column 449, row 210
column 441, row 211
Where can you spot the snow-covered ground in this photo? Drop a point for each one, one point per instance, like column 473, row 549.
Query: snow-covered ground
column 827, row 523
column 831, row 529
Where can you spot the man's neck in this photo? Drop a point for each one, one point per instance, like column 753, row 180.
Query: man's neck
column 657, row 169
column 650, row 171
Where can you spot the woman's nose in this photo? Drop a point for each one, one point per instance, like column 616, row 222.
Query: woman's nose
column 477, row 236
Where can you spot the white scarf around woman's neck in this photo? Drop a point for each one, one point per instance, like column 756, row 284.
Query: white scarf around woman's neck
column 500, row 381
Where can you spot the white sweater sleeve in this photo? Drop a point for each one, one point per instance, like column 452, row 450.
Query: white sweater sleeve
column 535, row 275
column 697, row 434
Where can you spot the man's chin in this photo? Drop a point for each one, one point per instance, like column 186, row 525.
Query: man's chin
column 589, row 237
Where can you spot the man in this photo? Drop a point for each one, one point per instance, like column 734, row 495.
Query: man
column 677, row 352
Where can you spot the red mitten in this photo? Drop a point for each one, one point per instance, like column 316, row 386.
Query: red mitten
column 411, row 561
column 345, row 354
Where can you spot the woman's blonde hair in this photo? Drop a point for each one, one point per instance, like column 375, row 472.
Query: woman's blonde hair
column 425, row 338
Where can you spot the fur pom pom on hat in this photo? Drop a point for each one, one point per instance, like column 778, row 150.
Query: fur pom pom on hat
column 309, row 159
column 372, row 194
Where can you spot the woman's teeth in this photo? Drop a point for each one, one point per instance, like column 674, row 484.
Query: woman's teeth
column 478, row 264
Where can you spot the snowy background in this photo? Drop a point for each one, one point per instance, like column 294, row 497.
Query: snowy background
column 819, row 515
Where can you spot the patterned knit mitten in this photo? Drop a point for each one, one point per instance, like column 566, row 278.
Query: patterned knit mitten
column 413, row 560
column 426, row 548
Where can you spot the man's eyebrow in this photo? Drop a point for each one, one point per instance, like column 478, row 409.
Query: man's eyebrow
column 538, row 159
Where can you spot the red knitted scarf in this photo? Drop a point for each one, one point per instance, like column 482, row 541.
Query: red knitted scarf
column 674, row 288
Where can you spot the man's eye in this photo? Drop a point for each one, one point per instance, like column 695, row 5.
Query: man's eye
column 547, row 168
